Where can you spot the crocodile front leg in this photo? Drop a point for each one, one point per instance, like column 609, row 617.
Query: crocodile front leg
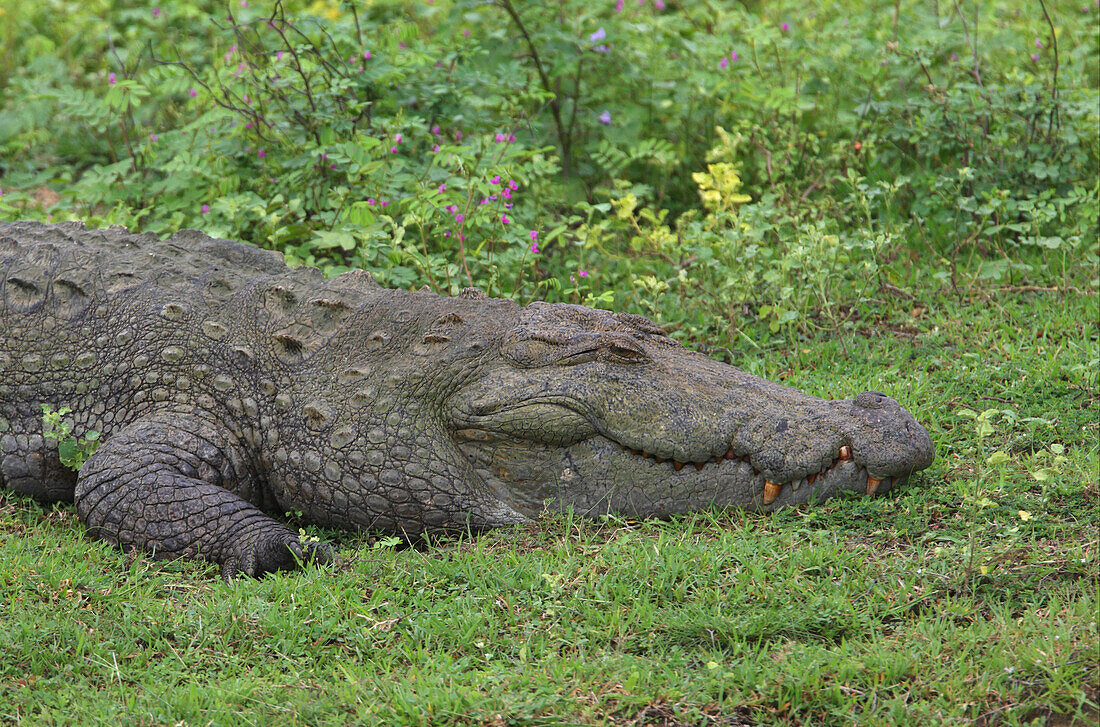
column 169, row 485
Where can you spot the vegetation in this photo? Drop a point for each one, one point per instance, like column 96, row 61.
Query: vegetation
column 841, row 196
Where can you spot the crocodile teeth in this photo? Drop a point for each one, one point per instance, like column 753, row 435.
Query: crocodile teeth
column 677, row 466
column 810, row 479
column 771, row 491
column 729, row 454
column 872, row 485
column 845, row 452
column 699, row 466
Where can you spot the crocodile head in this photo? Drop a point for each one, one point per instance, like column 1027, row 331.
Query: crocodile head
column 602, row 412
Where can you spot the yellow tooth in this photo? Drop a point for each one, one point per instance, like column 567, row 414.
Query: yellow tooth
column 845, row 452
column 872, row 485
column 771, row 491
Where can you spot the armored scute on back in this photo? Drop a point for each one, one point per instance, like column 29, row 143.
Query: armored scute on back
column 228, row 388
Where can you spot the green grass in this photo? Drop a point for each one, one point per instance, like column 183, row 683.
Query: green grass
column 969, row 597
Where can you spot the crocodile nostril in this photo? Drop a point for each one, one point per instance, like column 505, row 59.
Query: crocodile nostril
column 871, row 400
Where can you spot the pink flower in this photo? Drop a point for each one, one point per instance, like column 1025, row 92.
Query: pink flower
column 385, row 203
column 156, row 12
column 605, row 118
column 534, row 235
column 724, row 62
column 152, row 137
column 619, row 6
column 465, row 34
column 370, row 201
column 583, row 273
column 205, row 209
column 393, row 150
column 785, row 27
column 1035, row 57
column 244, row 3
column 512, row 185
column 499, row 138
column 279, row 56
column 261, row 153
column 495, row 179
column 460, row 218
column 503, row 220
column 366, row 54
column 597, row 36
column 506, row 194
column 398, row 138
column 535, row 248
column 111, row 78
column 435, row 129
column 659, row 4
column 734, row 56
column 1038, row 43
column 193, row 93
column 442, row 188
column 435, row 147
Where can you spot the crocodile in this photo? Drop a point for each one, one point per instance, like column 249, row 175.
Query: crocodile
column 229, row 389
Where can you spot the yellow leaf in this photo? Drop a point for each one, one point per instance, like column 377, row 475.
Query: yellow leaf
column 1024, row 515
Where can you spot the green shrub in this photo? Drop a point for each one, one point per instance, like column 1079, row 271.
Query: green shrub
column 869, row 148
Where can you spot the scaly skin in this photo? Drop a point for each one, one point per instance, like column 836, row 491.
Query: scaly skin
column 228, row 388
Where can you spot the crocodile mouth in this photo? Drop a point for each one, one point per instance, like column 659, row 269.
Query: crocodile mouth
column 772, row 489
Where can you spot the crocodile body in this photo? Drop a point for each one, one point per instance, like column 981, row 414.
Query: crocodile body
column 229, row 389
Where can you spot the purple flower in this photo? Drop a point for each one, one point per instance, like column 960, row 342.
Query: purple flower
column 1038, row 43
column 785, row 27
column 1035, row 57
column 734, row 56
column 659, row 4
column 724, row 62
column 279, row 56
column 619, row 6
column 384, row 203
column 535, row 247
column 435, row 147
column 503, row 220
column 499, row 138
column 393, row 150
column 583, row 273
column 435, row 129
column 261, row 153
column 205, row 209
column 605, row 118
column 244, row 3
column 954, row 57
column 193, row 93
column 465, row 34
column 597, row 36
column 460, row 218
column 366, row 54
column 398, row 138
column 511, row 137
column 442, row 188
column 495, row 179
column 110, row 78
column 156, row 12
column 370, row 201
column 512, row 185
column 153, row 137
column 506, row 194
column 534, row 235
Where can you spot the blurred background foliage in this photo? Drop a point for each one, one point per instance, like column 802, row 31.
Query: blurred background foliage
column 746, row 172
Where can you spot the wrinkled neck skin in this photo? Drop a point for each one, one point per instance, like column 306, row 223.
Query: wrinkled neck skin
column 474, row 411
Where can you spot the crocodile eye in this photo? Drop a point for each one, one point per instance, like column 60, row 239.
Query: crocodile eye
column 624, row 354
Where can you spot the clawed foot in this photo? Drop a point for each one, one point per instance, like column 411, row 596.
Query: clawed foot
column 274, row 551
